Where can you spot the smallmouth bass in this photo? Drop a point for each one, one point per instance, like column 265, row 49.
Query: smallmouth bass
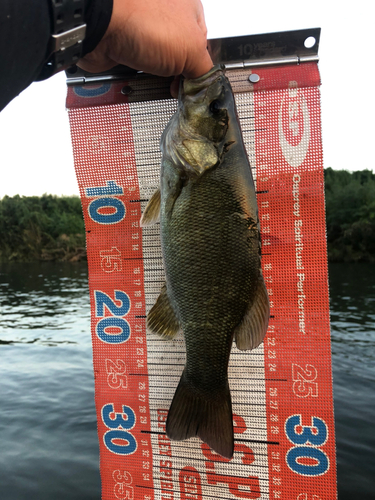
column 210, row 238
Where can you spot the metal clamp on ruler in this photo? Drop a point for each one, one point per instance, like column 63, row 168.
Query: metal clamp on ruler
column 270, row 49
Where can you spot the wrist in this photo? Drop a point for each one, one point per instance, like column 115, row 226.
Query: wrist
column 97, row 17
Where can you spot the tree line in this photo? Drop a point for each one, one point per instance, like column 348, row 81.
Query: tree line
column 51, row 227
column 350, row 215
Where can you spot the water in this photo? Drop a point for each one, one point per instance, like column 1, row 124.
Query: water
column 352, row 291
column 48, row 441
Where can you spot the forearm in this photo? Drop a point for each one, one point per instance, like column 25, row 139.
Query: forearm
column 25, row 31
column 24, row 35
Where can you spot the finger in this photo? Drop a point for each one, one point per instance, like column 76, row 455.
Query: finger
column 175, row 86
column 201, row 21
column 94, row 67
column 199, row 65
column 95, row 63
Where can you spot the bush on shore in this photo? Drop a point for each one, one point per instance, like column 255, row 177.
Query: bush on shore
column 41, row 228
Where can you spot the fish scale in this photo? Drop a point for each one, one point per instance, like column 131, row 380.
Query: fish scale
column 217, row 291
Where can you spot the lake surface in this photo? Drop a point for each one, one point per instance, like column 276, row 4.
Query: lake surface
column 352, row 304
column 48, row 441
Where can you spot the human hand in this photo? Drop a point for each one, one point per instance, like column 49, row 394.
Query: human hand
column 161, row 37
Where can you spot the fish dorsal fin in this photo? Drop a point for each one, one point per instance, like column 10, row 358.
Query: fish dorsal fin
column 253, row 327
column 161, row 318
column 151, row 215
column 202, row 154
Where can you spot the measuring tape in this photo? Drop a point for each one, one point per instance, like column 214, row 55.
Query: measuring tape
column 281, row 391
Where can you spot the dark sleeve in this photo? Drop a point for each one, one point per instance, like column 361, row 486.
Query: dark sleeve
column 25, row 30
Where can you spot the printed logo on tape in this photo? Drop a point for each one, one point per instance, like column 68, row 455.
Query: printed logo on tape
column 294, row 127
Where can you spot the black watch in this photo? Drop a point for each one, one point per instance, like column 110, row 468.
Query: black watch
column 68, row 32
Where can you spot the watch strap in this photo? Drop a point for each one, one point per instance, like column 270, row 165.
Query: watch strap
column 68, row 31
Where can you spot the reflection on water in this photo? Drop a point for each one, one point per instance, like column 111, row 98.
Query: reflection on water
column 39, row 299
column 48, row 441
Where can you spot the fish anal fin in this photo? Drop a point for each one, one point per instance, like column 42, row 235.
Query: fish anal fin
column 161, row 318
column 151, row 214
column 191, row 414
column 253, row 327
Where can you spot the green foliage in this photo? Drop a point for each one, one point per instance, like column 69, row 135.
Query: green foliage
column 350, row 213
column 41, row 228
column 51, row 227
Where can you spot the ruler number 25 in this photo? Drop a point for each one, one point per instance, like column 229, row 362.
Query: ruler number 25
column 303, row 381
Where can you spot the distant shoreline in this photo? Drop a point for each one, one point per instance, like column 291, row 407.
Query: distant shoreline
column 41, row 228
column 51, row 228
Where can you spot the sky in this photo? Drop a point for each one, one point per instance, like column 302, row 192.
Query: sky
column 36, row 154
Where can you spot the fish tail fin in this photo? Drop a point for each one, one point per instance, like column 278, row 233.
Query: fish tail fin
column 191, row 414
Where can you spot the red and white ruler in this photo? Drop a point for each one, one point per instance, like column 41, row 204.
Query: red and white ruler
column 281, row 391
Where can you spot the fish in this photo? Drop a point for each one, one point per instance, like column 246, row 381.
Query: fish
column 210, row 238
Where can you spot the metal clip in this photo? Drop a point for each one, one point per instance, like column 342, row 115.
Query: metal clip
column 69, row 38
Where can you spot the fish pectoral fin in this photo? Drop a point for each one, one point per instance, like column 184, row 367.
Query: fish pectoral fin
column 161, row 318
column 253, row 327
column 151, row 215
column 203, row 153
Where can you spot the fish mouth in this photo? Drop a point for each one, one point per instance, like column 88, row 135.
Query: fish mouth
column 194, row 85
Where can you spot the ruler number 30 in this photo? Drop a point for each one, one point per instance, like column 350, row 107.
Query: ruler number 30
column 306, row 458
column 118, row 439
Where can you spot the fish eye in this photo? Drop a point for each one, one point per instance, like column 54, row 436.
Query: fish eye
column 215, row 107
